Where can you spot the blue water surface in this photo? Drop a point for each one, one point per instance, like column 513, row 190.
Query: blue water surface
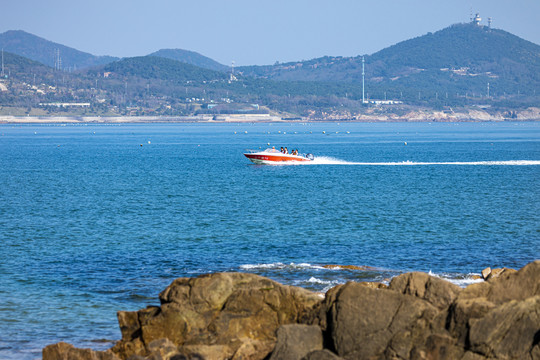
column 100, row 218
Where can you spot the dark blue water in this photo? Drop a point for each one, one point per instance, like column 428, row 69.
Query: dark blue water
column 91, row 222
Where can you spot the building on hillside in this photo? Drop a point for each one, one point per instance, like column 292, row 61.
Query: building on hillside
column 65, row 105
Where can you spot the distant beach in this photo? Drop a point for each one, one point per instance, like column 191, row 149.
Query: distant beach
column 420, row 115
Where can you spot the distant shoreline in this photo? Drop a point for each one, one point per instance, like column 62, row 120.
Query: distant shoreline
column 264, row 118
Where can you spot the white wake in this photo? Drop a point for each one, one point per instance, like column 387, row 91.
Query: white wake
column 324, row 160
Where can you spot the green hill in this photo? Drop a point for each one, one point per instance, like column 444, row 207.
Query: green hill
column 190, row 57
column 160, row 68
column 20, row 69
column 36, row 48
column 462, row 57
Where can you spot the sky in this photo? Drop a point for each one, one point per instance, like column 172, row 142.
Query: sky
column 255, row 32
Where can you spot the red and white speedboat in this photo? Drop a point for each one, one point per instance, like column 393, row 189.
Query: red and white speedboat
column 273, row 156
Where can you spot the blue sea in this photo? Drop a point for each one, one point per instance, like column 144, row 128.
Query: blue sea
column 100, row 218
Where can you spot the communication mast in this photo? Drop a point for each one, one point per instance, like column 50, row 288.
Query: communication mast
column 232, row 78
column 2, row 62
column 477, row 19
column 363, row 81
column 57, row 60
column 489, row 22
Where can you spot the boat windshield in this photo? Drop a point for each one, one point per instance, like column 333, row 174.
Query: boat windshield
column 271, row 150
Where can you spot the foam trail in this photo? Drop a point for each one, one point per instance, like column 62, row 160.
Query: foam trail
column 323, row 160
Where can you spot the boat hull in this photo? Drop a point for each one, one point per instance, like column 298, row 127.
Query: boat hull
column 274, row 158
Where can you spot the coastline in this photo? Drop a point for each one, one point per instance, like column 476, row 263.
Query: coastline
column 372, row 115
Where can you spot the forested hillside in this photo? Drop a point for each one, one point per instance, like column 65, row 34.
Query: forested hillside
column 190, row 57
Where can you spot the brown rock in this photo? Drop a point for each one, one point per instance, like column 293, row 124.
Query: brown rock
column 63, row 351
column 237, row 316
column 203, row 352
column 324, row 354
column 296, row 340
column 469, row 355
column 438, row 292
column 254, row 350
column 365, row 323
column 162, row 349
column 510, row 285
column 485, row 273
column 217, row 309
column 439, row 347
column 462, row 312
column 510, row 331
column 373, row 284
column 495, row 273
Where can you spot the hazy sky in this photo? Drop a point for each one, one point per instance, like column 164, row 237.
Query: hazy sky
column 255, row 31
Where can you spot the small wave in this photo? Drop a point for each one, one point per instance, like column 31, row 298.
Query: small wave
column 279, row 266
column 325, row 284
column 460, row 280
column 324, row 160
column 319, row 281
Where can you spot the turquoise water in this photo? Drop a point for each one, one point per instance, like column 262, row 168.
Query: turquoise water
column 100, row 218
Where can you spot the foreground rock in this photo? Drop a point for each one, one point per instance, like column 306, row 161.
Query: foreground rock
column 245, row 316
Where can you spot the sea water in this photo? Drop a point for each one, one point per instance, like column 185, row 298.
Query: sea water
column 100, row 218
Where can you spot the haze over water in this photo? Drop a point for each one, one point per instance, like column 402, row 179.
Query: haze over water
column 92, row 222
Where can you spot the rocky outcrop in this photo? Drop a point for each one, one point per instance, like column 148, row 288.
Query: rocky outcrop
column 244, row 316
column 63, row 351
column 365, row 323
column 237, row 310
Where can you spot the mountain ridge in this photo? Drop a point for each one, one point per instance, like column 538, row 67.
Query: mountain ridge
column 460, row 66
column 36, row 48
column 39, row 49
column 473, row 49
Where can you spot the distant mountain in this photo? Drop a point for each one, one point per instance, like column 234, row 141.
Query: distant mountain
column 462, row 65
column 460, row 56
column 160, row 68
column 190, row 57
column 36, row 48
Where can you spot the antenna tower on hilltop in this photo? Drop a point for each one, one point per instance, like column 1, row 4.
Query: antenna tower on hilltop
column 363, row 81
column 2, row 62
column 476, row 20
column 57, row 60
column 489, row 22
column 232, row 78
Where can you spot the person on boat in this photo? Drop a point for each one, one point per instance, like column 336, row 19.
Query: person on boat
column 282, row 150
column 286, row 151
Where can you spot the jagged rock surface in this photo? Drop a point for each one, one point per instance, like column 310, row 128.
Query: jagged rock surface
column 243, row 316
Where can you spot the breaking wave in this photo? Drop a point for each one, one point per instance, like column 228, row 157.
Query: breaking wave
column 323, row 277
column 280, row 266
